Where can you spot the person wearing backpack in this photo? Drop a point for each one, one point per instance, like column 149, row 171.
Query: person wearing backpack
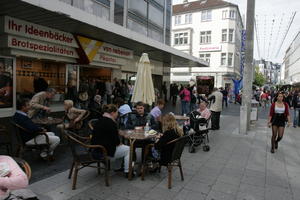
column 185, row 96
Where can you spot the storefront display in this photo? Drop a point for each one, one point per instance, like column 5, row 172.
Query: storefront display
column 53, row 73
column 6, row 82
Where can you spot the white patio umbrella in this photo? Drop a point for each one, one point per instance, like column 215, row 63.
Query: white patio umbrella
column 143, row 88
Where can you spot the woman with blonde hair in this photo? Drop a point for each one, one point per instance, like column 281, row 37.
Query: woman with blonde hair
column 171, row 131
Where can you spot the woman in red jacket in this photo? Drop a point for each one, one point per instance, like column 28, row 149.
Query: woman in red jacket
column 279, row 115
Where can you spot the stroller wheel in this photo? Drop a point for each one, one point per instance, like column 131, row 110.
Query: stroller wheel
column 206, row 148
column 192, row 149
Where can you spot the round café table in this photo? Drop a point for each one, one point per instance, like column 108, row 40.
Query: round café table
column 132, row 137
column 48, row 121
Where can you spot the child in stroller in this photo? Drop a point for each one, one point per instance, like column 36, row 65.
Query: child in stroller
column 198, row 128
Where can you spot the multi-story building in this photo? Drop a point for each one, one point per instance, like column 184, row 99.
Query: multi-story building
column 210, row 30
column 270, row 70
column 69, row 41
column 292, row 62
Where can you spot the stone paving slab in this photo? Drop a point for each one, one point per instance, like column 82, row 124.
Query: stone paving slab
column 238, row 167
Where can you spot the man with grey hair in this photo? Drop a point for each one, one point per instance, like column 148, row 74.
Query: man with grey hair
column 215, row 100
column 39, row 103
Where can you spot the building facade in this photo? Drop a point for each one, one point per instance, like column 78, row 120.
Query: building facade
column 211, row 31
column 270, row 70
column 67, row 42
column 292, row 62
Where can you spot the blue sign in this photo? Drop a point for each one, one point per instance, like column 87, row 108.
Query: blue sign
column 242, row 52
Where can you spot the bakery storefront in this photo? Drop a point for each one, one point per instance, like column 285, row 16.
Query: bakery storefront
column 29, row 51
column 101, row 60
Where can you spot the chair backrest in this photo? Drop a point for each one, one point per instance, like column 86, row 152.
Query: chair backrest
column 178, row 147
column 91, row 124
column 17, row 130
column 77, row 147
column 24, row 166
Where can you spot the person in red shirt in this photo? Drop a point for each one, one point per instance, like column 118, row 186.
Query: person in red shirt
column 279, row 114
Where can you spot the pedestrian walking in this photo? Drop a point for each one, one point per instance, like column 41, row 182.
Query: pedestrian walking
column 296, row 107
column 185, row 96
column 279, row 115
column 216, row 108
column 174, row 94
column 225, row 97
column 264, row 99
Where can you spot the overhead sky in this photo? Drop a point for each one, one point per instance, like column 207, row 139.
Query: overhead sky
column 272, row 20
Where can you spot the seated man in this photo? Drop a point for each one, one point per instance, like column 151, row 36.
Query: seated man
column 156, row 111
column 38, row 103
column 21, row 118
column 124, row 112
column 140, row 118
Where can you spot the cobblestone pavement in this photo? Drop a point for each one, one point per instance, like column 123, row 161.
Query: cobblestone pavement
column 238, row 167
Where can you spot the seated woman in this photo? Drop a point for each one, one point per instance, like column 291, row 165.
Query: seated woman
column 13, row 179
column 106, row 133
column 171, row 131
column 73, row 117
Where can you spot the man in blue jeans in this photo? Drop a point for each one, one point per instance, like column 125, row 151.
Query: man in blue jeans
column 296, row 106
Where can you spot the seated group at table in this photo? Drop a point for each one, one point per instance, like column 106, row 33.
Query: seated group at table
column 106, row 128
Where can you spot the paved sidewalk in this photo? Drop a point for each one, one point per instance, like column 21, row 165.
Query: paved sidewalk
column 238, row 167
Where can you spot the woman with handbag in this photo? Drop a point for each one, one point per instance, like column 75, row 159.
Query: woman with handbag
column 279, row 115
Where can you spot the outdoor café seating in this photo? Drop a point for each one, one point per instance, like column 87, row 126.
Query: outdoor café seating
column 174, row 162
column 22, row 147
column 83, row 157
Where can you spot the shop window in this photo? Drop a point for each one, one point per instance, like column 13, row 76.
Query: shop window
column 52, row 73
column 6, row 82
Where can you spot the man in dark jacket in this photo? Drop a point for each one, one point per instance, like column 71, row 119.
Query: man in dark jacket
column 140, row 118
column 31, row 136
column 39, row 84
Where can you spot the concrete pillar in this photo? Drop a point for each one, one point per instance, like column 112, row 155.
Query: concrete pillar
column 247, row 77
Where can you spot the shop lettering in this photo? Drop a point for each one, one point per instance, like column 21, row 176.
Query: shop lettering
column 31, row 30
column 116, row 51
column 41, row 47
column 108, row 59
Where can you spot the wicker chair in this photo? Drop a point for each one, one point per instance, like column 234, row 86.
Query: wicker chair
column 22, row 147
column 5, row 139
column 24, row 166
column 83, row 157
column 175, row 160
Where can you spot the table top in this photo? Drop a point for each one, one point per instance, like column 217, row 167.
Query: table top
column 48, row 121
column 180, row 117
column 131, row 134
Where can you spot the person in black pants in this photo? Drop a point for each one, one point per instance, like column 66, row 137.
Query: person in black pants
column 215, row 107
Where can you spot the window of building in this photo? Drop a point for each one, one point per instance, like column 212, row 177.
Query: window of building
column 181, row 38
column 119, row 12
column 177, row 19
column 224, row 14
column 136, row 26
column 205, row 57
column 230, row 58
column 206, row 15
column 224, row 35
column 6, row 82
column 188, row 18
column 205, row 37
column 156, row 15
column 138, row 7
column 231, row 33
column 78, row 4
column 100, row 10
column 223, row 58
column 232, row 14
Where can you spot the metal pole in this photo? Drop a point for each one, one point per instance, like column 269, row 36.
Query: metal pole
column 248, row 78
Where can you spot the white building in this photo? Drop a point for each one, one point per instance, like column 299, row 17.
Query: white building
column 292, row 62
column 210, row 30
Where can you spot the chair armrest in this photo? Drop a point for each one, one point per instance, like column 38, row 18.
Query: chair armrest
column 97, row 147
column 24, row 165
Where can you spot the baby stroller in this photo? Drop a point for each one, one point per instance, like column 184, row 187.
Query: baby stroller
column 198, row 132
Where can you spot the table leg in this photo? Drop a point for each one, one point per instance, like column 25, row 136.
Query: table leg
column 130, row 169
